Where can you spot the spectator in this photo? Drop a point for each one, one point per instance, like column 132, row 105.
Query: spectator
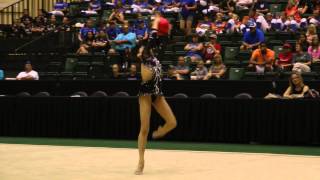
column 89, row 27
column 278, row 22
column 188, row 8
column 261, row 7
column 112, row 31
column 141, row 7
column 158, row 6
column 38, row 26
column 219, row 25
column 172, row 74
column 52, row 25
column 116, row 72
column 243, row 4
column 303, row 42
column 101, row 44
column 233, row 24
column 244, row 26
column 200, row 73
column 217, row 70
column 194, row 49
column 66, row 26
column 171, row 6
column 59, row 8
column 133, row 74
column 253, row 38
column 204, row 26
column 182, row 68
column 305, row 6
column 311, row 33
column 296, row 89
column 262, row 59
column 284, row 59
column 226, row 6
column 28, row 73
column 315, row 18
column 211, row 49
column 95, row 5
column 302, row 60
column 89, row 12
column 124, row 43
column 117, row 16
column 87, row 45
column 16, row 29
column 314, row 50
column 141, row 32
column 26, row 18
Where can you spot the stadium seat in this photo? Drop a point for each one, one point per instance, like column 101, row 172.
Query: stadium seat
column 121, row 94
column 42, row 94
column 277, row 50
column 230, row 54
column 208, row 96
column 79, row 94
column 97, row 70
column 99, row 94
column 236, row 73
column 275, row 8
column 70, row 64
column 23, row 94
column 243, row 96
column 180, row 95
column 82, row 67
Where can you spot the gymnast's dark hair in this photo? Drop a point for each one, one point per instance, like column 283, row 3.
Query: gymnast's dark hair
column 147, row 52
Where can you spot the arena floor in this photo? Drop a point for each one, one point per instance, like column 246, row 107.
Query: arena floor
column 47, row 162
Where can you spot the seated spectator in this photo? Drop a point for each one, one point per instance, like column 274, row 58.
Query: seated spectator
column 87, row 44
column 262, row 23
column 314, row 50
column 200, row 73
column 217, row 70
column 26, row 18
column 203, row 26
column 311, row 33
column 38, row 26
column 89, row 12
column 278, row 22
column 233, row 24
column 112, row 31
column 59, row 8
column 28, row 73
column 294, row 16
column 52, row 25
column 244, row 26
column 302, row 60
column 123, row 44
column 133, row 74
column 188, row 9
column 171, row 6
column 101, row 44
column 225, row 6
column 219, row 25
column 303, row 42
column 305, row 6
column 194, row 49
column 89, row 27
column 158, row 6
column 116, row 72
column 211, row 49
column 182, row 68
column 284, row 59
column 297, row 88
column 141, row 32
column 262, row 59
column 117, row 16
column 66, row 26
column 261, row 6
column 140, row 6
column 16, row 29
column 95, row 5
column 253, row 38
column 315, row 18
column 42, row 16
column 172, row 74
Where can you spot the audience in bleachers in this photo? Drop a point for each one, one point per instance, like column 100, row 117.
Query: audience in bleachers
column 123, row 25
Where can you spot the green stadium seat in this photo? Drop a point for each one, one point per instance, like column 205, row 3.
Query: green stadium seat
column 275, row 8
column 70, row 64
column 82, row 67
column 277, row 50
column 236, row 73
column 230, row 56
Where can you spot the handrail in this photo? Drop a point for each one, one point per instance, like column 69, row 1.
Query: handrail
column 33, row 41
column 11, row 4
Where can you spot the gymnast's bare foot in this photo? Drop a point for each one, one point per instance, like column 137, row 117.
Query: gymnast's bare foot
column 162, row 131
column 139, row 170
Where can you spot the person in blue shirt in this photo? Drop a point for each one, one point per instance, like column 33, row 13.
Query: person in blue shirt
column 252, row 38
column 89, row 27
column 158, row 6
column 95, row 5
column 123, row 44
column 141, row 32
column 188, row 9
column 60, row 5
column 112, row 31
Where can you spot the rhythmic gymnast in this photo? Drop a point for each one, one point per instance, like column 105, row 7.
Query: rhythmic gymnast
column 151, row 94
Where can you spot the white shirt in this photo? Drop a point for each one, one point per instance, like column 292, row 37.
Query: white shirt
column 32, row 73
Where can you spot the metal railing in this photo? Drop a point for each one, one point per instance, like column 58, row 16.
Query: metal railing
column 9, row 14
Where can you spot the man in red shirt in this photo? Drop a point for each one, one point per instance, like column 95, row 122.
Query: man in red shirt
column 284, row 59
column 160, row 31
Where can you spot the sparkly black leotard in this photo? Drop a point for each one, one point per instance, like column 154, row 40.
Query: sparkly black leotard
column 153, row 86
